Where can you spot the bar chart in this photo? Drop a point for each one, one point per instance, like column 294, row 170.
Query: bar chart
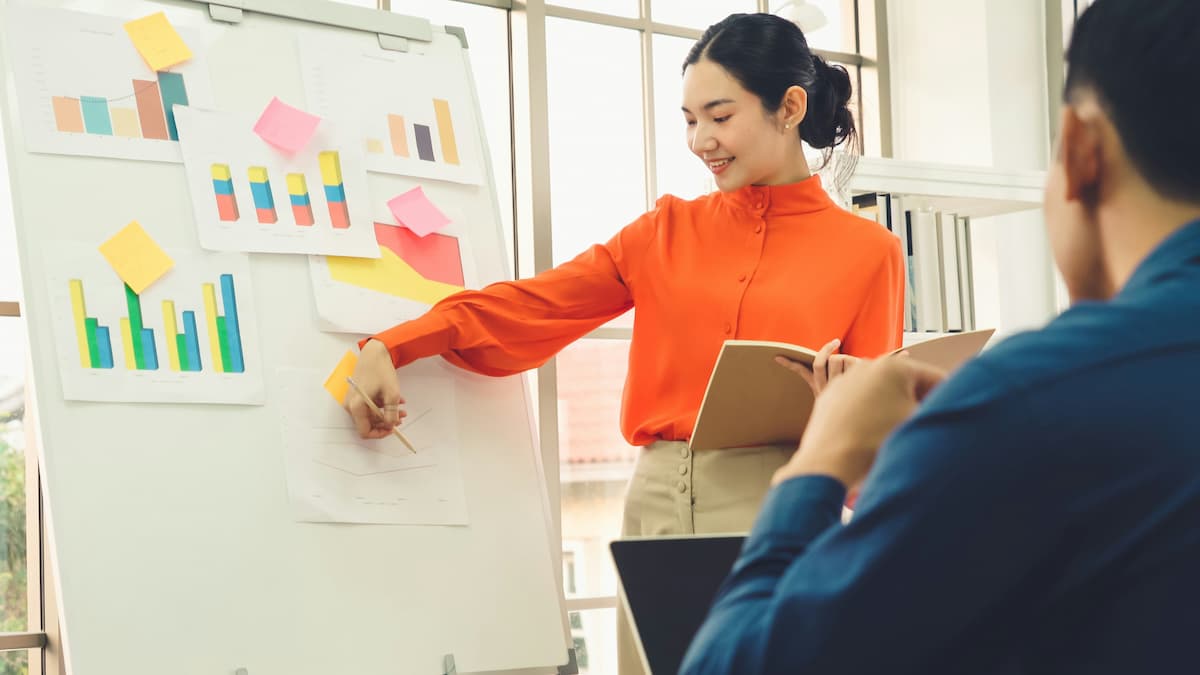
column 398, row 129
column 186, row 338
column 107, row 104
column 250, row 196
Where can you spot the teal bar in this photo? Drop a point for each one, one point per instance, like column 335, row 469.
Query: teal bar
column 170, row 87
column 95, row 115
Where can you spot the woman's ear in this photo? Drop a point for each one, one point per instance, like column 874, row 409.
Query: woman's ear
column 795, row 106
column 1080, row 153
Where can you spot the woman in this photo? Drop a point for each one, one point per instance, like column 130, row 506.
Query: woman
column 768, row 257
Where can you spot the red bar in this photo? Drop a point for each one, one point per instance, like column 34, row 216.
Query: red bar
column 266, row 215
column 150, row 111
column 340, row 215
column 227, row 207
column 303, row 214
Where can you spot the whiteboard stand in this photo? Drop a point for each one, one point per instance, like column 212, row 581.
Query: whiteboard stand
column 571, row 667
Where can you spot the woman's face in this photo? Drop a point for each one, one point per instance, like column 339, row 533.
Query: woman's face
column 729, row 130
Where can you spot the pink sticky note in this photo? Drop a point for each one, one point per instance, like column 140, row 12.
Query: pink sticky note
column 414, row 211
column 286, row 127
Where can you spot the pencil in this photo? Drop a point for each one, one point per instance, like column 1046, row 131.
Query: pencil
column 375, row 408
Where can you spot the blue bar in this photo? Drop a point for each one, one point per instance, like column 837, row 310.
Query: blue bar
column 148, row 352
column 170, row 88
column 223, row 187
column 105, row 345
column 335, row 193
column 300, row 200
column 262, row 195
column 232, row 331
column 193, row 340
column 95, row 115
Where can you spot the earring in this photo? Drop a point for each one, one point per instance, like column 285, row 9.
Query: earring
column 788, row 125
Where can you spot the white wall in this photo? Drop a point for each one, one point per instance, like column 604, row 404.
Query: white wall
column 969, row 87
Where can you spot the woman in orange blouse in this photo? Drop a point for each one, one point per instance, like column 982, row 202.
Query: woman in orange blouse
column 769, row 256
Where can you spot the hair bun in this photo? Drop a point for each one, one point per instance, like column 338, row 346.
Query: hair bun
column 828, row 121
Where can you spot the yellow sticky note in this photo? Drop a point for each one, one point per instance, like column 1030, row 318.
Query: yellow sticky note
column 156, row 40
column 135, row 257
column 336, row 385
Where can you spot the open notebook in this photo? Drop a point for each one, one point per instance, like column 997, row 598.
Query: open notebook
column 752, row 400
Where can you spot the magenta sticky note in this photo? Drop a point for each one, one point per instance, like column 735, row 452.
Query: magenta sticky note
column 414, row 211
column 286, row 127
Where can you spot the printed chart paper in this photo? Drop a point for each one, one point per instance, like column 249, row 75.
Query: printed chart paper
column 413, row 119
column 250, row 196
column 189, row 338
column 364, row 296
column 335, row 476
column 107, row 104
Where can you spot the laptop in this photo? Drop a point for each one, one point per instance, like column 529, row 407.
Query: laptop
column 669, row 585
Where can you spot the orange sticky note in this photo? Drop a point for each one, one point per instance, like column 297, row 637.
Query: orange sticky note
column 286, row 127
column 336, row 385
column 156, row 40
column 135, row 257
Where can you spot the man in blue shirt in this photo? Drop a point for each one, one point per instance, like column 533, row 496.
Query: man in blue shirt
column 1039, row 511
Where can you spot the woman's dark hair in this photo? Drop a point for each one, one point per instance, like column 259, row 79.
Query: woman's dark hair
column 1138, row 58
column 768, row 54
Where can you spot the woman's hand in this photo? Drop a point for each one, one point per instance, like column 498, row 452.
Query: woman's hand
column 825, row 367
column 376, row 375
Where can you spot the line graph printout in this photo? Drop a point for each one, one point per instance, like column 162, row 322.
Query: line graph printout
column 109, row 104
column 335, row 476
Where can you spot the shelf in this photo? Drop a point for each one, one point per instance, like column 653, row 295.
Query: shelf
column 966, row 190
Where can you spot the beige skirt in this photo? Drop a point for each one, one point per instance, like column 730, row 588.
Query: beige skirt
column 676, row 491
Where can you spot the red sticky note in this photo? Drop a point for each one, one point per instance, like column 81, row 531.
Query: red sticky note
column 414, row 211
column 286, row 127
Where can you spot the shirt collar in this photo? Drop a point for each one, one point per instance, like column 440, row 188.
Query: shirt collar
column 1180, row 247
column 806, row 196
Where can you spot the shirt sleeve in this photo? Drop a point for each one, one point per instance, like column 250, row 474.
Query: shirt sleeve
column 512, row 326
column 878, row 328
column 937, row 544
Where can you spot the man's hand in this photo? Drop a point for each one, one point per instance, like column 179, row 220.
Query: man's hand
column 855, row 414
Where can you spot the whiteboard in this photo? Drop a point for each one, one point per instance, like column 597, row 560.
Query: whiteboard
column 170, row 524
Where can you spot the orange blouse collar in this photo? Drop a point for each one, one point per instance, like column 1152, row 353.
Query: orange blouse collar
column 807, row 196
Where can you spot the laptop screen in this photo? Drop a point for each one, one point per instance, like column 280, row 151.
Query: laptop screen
column 669, row 585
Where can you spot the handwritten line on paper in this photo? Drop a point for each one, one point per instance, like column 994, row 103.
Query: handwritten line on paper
column 414, row 211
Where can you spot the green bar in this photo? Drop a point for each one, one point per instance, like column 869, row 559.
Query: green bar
column 223, row 334
column 93, row 345
column 181, row 345
column 135, row 326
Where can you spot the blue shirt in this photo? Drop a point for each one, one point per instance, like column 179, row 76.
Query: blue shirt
column 1039, row 514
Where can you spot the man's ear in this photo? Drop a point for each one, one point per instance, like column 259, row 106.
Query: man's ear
column 1080, row 151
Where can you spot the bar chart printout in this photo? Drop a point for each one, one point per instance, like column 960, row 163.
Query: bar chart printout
column 184, row 339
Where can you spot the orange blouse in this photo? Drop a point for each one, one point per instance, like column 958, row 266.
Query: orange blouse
column 777, row 263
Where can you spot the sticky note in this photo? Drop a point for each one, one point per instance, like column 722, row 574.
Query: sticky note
column 414, row 211
column 285, row 127
column 135, row 257
column 336, row 385
column 156, row 40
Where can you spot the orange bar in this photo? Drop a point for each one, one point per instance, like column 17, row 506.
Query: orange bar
column 150, row 110
column 445, row 131
column 396, row 129
column 68, row 116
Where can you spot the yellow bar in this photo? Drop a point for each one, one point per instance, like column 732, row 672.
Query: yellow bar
column 79, row 312
column 221, row 172
column 171, row 331
column 397, row 133
column 258, row 174
column 127, row 344
column 296, row 184
column 331, row 168
column 374, row 145
column 214, row 339
column 125, row 122
column 446, row 131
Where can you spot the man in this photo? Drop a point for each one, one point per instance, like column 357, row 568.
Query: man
column 1039, row 512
